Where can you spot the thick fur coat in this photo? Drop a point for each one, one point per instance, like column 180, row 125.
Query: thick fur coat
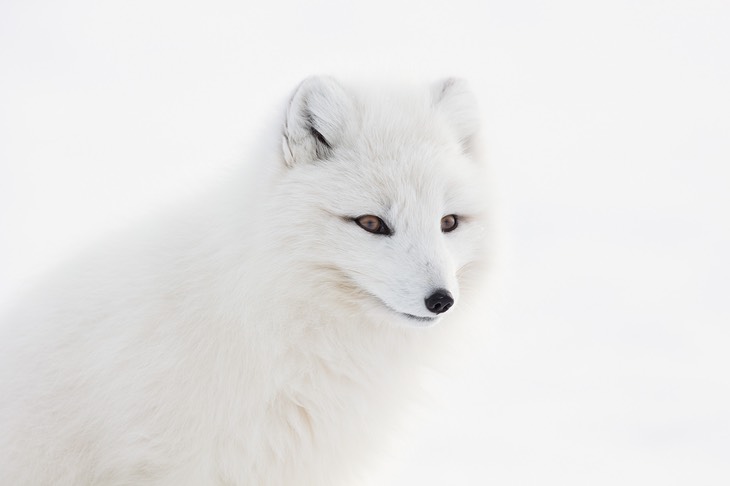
column 260, row 336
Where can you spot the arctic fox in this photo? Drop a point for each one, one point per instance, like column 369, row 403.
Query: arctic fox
column 264, row 335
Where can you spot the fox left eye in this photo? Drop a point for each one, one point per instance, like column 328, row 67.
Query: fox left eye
column 373, row 224
column 449, row 223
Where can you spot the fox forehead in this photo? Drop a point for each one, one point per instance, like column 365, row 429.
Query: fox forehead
column 360, row 185
column 394, row 126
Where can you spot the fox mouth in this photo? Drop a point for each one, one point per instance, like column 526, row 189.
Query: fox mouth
column 405, row 314
column 410, row 317
column 416, row 318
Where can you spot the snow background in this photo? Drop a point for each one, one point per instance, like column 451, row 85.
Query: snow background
column 607, row 124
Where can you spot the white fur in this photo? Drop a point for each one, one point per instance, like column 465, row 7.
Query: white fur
column 257, row 337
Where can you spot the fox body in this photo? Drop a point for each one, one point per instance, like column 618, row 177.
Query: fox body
column 263, row 334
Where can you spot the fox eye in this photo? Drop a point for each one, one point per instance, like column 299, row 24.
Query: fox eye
column 373, row 224
column 449, row 223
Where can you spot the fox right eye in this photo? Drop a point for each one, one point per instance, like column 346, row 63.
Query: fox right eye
column 373, row 224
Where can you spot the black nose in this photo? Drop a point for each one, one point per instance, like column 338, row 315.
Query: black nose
column 440, row 301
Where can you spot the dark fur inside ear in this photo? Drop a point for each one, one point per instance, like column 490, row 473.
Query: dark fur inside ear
column 322, row 148
column 316, row 121
column 442, row 88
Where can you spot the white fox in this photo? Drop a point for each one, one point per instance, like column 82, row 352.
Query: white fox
column 261, row 336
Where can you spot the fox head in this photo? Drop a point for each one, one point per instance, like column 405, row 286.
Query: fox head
column 382, row 195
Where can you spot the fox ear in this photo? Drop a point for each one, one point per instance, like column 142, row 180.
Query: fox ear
column 316, row 119
column 453, row 98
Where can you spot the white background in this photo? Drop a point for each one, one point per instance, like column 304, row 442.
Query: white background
column 607, row 124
